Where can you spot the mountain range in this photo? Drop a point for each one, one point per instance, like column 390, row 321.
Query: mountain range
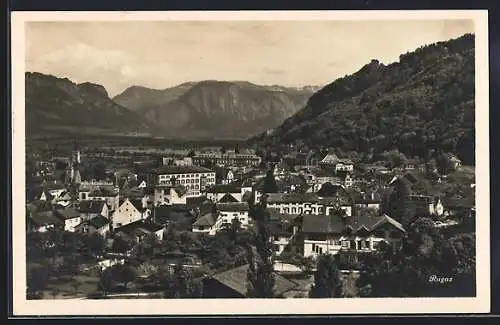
column 204, row 109
column 422, row 104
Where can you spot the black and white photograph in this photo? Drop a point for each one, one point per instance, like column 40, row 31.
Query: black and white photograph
column 177, row 163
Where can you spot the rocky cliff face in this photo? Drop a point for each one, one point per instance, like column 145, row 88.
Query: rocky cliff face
column 217, row 109
column 60, row 105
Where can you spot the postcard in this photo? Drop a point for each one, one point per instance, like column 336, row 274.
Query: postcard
column 250, row 163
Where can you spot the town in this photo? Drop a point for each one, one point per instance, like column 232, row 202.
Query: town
column 236, row 222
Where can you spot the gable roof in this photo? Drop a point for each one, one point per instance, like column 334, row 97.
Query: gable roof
column 44, row 218
column 230, row 207
column 102, row 191
column 91, row 206
column 139, row 227
column 227, row 198
column 98, row 222
column 330, row 158
column 207, row 219
column 326, row 224
column 224, row 188
column 137, row 203
column 292, row 197
column 67, row 213
column 236, row 279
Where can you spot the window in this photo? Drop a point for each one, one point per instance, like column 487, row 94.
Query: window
column 345, row 244
column 367, row 244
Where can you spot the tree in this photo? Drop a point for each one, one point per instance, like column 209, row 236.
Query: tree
column 125, row 274
column 237, row 149
column 99, row 171
column 105, row 281
column 327, row 279
column 120, row 245
column 182, row 285
column 400, row 205
column 75, row 285
column 270, row 185
column 37, row 277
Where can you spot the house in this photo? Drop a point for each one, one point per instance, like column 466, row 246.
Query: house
column 232, row 283
column 106, row 194
column 129, row 211
column 224, row 175
column 226, row 212
column 330, row 159
column 282, row 228
column 454, row 161
column 91, row 209
column 344, row 165
column 363, row 232
column 370, row 200
column 99, row 225
column 219, row 191
column 168, row 194
column 346, row 178
column 205, row 223
column 227, row 159
column 70, row 216
column 308, row 203
column 138, row 230
column 42, row 221
column 427, row 205
column 195, row 179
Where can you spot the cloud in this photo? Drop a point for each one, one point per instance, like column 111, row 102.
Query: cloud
column 82, row 62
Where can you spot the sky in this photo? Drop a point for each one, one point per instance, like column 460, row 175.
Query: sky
column 162, row 54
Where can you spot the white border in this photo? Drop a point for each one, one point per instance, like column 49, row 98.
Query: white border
column 480, row 304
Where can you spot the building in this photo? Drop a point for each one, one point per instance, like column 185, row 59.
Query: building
column 329, row 234
column 308, row 203
column 70, row 216
column 368, row 200
column 226, row 212
column 138, row 230
column 195, row 179
column 205, row 223
column 332, row 160
column 232, row 283
column 42, row 221
column 169, row 195
column 427, row 205
column 219, row 191
column 346, row 178
column 129, row 211
column 226, row 159
column 99, row 225
column 91, row 209
column 282, row 228
column 110, row 196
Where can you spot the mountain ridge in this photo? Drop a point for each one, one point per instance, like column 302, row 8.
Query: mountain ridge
column 418, row 105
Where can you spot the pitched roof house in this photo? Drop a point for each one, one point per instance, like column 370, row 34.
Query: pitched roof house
column 232, row 284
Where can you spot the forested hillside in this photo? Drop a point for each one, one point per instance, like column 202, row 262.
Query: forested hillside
column 421, row 105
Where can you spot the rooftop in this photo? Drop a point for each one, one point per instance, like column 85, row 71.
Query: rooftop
column 236, row 279
column 91, row 206
column 207, row 219
column 229, row 207
column 225, row 188
column 171, row 170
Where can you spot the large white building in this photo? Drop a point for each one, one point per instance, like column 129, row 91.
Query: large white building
column 195, row 179
column 307, row 203
column 330, row 234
